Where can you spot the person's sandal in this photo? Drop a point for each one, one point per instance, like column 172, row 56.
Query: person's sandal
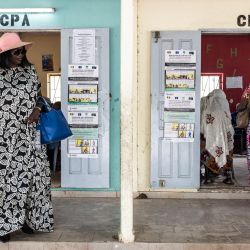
column 5, row 238
column 26, row 229
column 228, row 181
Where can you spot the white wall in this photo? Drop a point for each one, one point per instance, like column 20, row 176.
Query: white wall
column 170, row 15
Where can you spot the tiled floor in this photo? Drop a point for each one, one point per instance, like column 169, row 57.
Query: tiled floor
column 155, row 220
column 241, row 171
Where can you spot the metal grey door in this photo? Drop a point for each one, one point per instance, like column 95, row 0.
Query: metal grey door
column 90, row 172
column 174, row 164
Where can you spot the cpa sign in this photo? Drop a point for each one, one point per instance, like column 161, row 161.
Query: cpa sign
column 14, row 20
column 243, row 20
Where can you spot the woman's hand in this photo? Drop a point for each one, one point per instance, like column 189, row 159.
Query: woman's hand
column 34, row 116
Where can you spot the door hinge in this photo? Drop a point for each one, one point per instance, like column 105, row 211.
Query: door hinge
column 157, row 36
column 162, row 183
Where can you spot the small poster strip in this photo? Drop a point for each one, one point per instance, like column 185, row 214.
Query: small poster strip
column 82, row 93
column 180, row 79
column 83, row 148
column 83, row 143
column 179, row 100
column 83, row 73
column 180, row 56
column 87, row 119
column 178, row 130
column 179, row 117
column 85, row 108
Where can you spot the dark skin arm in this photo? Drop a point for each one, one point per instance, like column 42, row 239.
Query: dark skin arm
column 34, row 116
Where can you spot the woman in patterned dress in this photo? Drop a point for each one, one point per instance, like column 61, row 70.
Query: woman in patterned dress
column 25, row 199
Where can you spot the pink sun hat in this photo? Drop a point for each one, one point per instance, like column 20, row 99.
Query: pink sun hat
column 10, row 41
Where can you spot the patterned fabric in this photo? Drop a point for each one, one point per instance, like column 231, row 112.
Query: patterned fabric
column 246, row 93
column 216, row 126
column 248, row 148
column 24, row 170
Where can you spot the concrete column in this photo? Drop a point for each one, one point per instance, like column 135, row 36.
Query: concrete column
column 127, row 41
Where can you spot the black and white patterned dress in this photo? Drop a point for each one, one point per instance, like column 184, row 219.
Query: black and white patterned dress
column 24, row 170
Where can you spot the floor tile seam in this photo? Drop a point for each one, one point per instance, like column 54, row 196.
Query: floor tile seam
column 236, row 228
column 58, row 240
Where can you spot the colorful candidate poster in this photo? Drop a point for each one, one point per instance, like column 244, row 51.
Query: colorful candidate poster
column 179, row 124
column 179, row 100
column 179, row 130
column 181, row 79
column 82, row 93
column 83, row 143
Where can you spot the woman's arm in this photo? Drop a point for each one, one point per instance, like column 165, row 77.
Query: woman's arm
column 243, row 104
column 34, row 116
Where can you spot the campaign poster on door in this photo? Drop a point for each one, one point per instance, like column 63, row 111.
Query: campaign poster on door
column 84, row 46
column 82, row 93
column 83, row 143
column 180, row 79
column 182, row 131
column 180, row 56
column 179, row 100
column 83, row 73
column 84, row 118
column 179, row 117
column 83, row 148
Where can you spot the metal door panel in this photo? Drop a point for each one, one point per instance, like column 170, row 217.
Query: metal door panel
column 80, row 172
column 173, row 164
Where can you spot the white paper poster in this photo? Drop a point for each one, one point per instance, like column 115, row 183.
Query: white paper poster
column 183, row 100
column 83, row 73
column 88, row 119
column 84, row 46
column 179, row 117
column 88, row 108
column 234, row 82
column 180, row 56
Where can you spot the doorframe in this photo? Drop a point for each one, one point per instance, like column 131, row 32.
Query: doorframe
column 233, row 31
column 87, row 192
column 40, row 30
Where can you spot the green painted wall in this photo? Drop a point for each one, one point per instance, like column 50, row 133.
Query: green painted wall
column 86, row 14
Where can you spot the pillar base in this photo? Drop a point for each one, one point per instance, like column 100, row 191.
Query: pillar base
column 128, row 238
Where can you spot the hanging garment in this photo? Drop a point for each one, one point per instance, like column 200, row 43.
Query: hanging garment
column 24, row 170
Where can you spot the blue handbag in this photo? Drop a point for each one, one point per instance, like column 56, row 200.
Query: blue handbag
column 52, row 124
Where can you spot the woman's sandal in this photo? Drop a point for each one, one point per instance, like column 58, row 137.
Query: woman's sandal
column 5, row 238
column 26, row 229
